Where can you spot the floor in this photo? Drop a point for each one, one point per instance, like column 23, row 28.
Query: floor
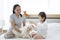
column 53, row 32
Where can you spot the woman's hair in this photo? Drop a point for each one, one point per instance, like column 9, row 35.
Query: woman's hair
column 14, row 7
column 43, row 15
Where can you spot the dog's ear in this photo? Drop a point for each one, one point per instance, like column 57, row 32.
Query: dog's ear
column 28, row 29
column 32, row 25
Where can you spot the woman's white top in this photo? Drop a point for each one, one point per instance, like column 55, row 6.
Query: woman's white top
column 41, row 28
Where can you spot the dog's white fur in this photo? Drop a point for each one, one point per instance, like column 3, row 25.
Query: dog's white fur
column 26, row 31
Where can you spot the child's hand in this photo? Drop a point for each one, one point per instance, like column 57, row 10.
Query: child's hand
column 30, row 22
column 33, row 23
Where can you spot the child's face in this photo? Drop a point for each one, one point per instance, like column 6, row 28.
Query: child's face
column 41, row 19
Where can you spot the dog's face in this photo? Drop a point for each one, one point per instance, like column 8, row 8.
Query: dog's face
column 30, row 28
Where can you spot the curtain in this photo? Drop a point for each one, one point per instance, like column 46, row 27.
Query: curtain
column 31, row 6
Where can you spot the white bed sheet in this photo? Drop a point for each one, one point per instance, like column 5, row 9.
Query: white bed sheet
column 53, row 33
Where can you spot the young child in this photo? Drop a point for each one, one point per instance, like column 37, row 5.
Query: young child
column 41, row 27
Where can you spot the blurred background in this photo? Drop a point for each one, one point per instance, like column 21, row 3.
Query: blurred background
column 51, row 7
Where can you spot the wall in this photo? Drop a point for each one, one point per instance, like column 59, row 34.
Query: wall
column 48, row 20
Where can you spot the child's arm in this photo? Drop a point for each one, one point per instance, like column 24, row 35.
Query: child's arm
column 33, row 23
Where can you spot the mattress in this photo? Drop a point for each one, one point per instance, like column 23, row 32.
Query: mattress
column 53, row 33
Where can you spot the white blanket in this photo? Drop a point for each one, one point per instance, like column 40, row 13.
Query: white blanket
column 53, row 32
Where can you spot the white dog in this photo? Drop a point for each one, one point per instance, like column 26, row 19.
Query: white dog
column 26, row 31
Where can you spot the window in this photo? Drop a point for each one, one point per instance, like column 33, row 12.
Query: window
column 31, row 6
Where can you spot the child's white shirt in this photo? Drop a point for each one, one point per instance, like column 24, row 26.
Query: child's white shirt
column 41, row 28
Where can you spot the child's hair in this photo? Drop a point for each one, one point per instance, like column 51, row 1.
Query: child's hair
column 43, row 15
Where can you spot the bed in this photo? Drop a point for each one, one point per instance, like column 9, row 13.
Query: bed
column 53, row 33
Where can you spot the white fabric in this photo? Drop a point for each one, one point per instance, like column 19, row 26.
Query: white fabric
column 53, row 32
column 42, row 28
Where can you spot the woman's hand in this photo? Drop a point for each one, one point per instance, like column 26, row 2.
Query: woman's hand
column 18, row 30
column 14, row 26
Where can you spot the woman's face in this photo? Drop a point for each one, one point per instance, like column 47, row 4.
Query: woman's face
column 18, row 10
column 41, row 19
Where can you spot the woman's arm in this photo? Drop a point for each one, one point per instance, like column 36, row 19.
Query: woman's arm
column 23, row 24
column 24, row 20
column 14, row 26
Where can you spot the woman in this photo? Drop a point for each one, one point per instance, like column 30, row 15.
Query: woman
column 16, row 20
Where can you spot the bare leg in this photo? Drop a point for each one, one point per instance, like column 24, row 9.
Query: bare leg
column 38, row 37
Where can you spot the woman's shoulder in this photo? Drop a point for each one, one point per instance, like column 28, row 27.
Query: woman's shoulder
column 12, row 15
column 23, row 17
